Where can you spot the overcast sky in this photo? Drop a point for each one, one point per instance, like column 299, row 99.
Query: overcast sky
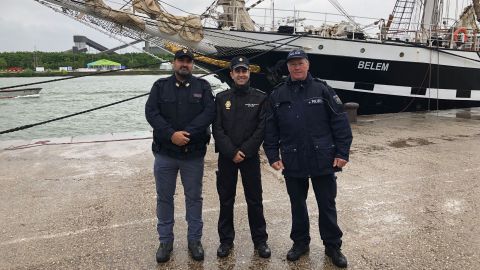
column 26, row 24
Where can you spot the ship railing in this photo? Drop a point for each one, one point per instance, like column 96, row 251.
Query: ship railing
column 458, row 38
column 300, row 21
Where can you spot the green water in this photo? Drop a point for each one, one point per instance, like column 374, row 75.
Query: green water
column 65, row 97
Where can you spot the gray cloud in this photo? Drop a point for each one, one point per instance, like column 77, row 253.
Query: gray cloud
column 25, row 24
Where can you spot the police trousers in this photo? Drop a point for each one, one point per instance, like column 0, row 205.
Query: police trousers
column 227, row 176
column 325, row 189
column 191, row 172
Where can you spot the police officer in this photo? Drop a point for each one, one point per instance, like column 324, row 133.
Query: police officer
column 308, row 136
column 238, row 130
column 180, row 109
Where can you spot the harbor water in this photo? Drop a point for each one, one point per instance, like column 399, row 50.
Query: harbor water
column 66, row 97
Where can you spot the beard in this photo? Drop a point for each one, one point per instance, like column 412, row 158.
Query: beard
column 183, row 72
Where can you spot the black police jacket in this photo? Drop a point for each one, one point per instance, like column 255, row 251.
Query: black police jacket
column 240, row 121
column 174, row 106
column 307, row 124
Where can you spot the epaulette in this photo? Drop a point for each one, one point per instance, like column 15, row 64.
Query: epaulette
column 320, row 80
column 278, row 85
column 259, row 91
column 202, row 80
column 162, row 79
column 222, row 92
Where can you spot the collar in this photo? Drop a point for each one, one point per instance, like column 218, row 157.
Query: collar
column 307, row 80
column 186, row 83
column 241, row 90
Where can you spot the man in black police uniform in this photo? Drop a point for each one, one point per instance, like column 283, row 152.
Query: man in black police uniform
column 238, row 130
column 307, row 124
column 180, row 109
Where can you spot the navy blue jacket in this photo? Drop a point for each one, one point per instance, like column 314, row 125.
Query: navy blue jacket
column 240, row 121
column 307, row 124
column 174, row 106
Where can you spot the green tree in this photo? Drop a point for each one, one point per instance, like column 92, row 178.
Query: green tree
column 3, row 63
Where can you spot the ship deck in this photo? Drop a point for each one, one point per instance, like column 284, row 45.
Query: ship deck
column 409, row 199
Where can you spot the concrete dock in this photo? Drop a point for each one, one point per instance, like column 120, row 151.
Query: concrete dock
column 408, row 199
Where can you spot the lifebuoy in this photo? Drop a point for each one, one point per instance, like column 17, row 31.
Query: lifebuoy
column 458, row 31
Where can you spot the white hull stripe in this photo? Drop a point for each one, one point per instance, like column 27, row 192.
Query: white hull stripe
column 434, row 93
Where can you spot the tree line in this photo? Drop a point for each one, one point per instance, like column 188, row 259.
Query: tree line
column 54, row 60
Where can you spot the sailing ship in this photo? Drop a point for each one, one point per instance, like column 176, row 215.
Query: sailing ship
column 416, row 59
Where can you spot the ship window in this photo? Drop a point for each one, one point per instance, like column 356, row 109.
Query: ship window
column 418, row 91
column 362, row 50
column 320, row 47
column 402, row 54
column 461, row 93
column 364, row 86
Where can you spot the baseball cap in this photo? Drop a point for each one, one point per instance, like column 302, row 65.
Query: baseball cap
column 299, row 54
column 239, row 61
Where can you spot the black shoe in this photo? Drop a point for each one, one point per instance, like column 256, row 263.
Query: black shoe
column 337, row 257
column 224, row 249
column 196, row 250
column 297, row 251
column 263, row 250
column 163, row 252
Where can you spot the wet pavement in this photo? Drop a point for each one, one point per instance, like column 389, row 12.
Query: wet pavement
column 409, row 199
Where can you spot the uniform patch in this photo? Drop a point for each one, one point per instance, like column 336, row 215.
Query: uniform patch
column 313, row 101
column 197, row 95
column 228, row 104
column 337, row 100
column 251, row 105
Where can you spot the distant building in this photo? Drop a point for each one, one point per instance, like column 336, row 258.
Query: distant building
column 65, row 68
column 14, row 69
column 104, row 64
column 39, row 69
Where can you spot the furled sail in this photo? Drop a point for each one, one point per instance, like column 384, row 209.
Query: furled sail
column 476, row 6
column 467, row 19
column 188, row 27
column 99, row 8
column 235, row 15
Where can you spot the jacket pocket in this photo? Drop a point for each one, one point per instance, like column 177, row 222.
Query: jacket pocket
column 290, row 157
column 195, row 103
column 325, row 154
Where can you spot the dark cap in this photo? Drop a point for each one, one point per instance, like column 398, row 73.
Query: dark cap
column 239, row 61
column 183, row 53
column 297, row 54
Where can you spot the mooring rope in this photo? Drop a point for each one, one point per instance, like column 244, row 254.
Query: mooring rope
column 128, row 99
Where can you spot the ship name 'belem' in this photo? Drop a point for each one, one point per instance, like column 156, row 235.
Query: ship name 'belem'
column 373, row 65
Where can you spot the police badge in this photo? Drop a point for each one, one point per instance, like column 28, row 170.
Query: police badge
column 228, row 104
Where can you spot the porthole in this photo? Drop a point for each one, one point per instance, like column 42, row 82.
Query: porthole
column 402, row 54
column 362, row 50
column 320, row 47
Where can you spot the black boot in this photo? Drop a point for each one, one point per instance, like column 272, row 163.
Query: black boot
column 163, row 252
column 224, row 249
column 263, row 250
column 337, row 257
column 297, row 251
column 196, row 250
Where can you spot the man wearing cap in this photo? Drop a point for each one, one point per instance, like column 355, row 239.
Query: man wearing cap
column 308, row 136
column 180, row 109
column 238, row 130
